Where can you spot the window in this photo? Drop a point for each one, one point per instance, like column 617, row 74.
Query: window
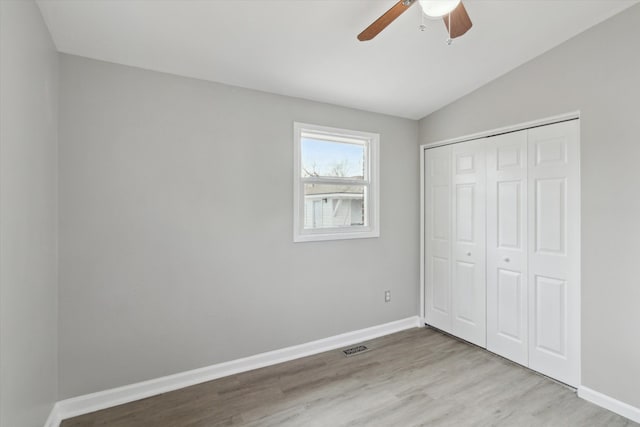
column 335, row 184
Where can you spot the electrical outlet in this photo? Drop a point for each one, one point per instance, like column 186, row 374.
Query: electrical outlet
column 387, row 296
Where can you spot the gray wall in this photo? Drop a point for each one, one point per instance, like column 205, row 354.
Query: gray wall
column 176, row 232
column 28, row 216
column 597, row 73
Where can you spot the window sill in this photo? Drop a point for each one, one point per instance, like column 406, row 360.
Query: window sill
column 334, row 235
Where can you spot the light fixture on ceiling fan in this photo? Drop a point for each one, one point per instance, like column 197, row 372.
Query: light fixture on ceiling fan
column 455, row 17
column 438, row 8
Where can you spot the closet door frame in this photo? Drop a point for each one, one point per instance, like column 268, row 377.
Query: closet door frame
column 574, row 115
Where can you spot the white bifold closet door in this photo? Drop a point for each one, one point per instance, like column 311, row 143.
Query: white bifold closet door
column 507, row 248
column 468, row 243
column 455, row 240
column 533, row 249
column 554, row 251
column 502, row 245
column 438, row 246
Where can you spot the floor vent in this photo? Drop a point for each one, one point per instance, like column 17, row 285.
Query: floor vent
column 359, row 349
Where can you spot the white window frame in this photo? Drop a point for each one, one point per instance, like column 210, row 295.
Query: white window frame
column 371, row 181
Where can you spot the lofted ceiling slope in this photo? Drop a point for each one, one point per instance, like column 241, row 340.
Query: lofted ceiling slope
column 308, row 48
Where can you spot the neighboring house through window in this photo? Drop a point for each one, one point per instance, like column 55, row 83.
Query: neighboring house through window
column 335, row 183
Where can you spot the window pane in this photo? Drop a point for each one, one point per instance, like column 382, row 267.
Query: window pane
column 331, row 206
column 332, row 159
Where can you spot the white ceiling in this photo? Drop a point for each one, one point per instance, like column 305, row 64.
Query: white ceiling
column 308, row 48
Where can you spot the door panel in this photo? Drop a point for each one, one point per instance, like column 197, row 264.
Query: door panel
column 509, row 297
column 464, row 212
column 509, row 217
column 438, row 237
column 465, row 297
column 507, row 294
column 550, row 316
column 440, row 202
column 550, row 215
column 465, row 164
column 509, row 155
column 551, row 150
column 441, row 280
column 554, row 251
column 468, row 237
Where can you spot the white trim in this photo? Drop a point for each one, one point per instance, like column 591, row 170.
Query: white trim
column 334, row 180
column 338, row 196
column 105, row 399
column 579, row 252
column 54, row 418
column 607, row 402
column 371, row 182
column 513, row 128
column 422, row 308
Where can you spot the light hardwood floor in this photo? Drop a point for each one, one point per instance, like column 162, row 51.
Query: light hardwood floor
column 411, row 378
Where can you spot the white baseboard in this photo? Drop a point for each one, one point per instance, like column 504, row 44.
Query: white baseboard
column 610, row 403
column 105, row 399
column 54, row 418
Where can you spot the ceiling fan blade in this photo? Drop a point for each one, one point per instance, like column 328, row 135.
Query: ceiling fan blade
column 381, row 23
column 460, row 21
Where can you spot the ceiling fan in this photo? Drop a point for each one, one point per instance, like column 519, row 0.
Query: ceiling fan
column 455, row 17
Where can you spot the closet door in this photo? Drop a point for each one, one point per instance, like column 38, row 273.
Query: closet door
column 554, row 251
column 468, row 238
column 438, row 237
column 507, row 292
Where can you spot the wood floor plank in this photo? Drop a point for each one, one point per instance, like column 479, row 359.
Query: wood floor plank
column 418, row 377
